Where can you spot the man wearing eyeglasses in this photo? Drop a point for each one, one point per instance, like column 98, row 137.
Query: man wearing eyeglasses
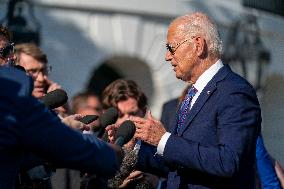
column 35, row 62
column 212, row 142
column 6, row 47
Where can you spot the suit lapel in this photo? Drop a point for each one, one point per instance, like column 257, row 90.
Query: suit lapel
column 208, row 90
column 203, row 97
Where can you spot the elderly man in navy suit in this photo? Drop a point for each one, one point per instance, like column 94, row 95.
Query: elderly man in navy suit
column 212, row 144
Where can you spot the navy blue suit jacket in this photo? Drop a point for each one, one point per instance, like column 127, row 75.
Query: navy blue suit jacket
column 26, row 125
column 216, row 148
column 168, row 113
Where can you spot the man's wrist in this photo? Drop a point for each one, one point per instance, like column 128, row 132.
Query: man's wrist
column 162, row 143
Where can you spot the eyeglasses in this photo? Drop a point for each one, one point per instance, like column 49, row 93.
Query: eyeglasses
column 172, row 49
column 35, row 71
column 7, row 50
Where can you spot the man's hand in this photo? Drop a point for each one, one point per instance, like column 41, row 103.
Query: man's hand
column 135, row 175
column 52, row 85
column 280, row 173
column 72, row 121
column 111, row 132
column 148, row 130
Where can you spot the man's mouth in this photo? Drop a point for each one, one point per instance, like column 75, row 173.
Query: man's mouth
column 39, row 88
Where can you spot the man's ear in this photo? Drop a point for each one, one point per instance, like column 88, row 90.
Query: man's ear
column 200, row 45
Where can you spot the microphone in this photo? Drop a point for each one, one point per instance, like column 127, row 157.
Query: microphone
column 109, row 117
column 128, row 164
column 54, row 99
column 125, row 132
column 88, row 119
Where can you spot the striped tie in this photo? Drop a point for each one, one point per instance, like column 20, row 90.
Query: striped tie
column 185, row 107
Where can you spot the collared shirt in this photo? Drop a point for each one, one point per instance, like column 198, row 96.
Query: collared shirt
column 200, row 84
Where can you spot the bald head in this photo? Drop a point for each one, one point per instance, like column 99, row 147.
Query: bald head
column 198, row 23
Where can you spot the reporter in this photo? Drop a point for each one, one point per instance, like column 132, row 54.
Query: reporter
column 130, row 100
column 35, row 62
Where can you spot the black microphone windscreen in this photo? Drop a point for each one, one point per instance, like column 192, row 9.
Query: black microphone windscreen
column 109, row 117
column 55, row 99
column 87, row 119
column 126, row 131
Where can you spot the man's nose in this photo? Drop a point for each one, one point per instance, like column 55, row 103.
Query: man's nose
column 40, row 77
column 168, row 56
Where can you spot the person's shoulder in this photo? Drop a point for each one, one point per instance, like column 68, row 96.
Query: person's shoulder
column 15, row 81
column 170, row 105
column 235, row 82
column 171, row 102
column 12, row 73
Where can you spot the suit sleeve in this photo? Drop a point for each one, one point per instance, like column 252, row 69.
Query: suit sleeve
column 265, row 168
column 44, row 134
column 238, row 123
column 149, row 162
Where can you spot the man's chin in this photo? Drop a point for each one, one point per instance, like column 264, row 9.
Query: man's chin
column 179, row 76
column 38, row 93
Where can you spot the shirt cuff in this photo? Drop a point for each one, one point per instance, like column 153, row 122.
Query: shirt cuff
column 162, row 143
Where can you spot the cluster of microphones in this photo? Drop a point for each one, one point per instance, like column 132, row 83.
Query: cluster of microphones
column 125, row 132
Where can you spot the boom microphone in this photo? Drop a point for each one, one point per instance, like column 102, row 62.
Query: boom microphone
column 125, row 132
column 54, row 99
column 109, row 117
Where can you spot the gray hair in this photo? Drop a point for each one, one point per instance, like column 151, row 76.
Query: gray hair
column 200, row 24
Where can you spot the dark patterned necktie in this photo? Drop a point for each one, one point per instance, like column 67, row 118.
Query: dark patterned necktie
column 185, row 107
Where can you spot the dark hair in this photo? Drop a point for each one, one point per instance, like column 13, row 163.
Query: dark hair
column 120, row 90
column 32, row 50
column 4, row 32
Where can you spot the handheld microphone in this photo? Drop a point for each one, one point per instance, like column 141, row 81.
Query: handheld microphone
column 88, row 119
column 54, row 99
column 125, row 132
column 109, row 117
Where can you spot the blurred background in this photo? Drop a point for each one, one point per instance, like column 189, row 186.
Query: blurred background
column 90, row 43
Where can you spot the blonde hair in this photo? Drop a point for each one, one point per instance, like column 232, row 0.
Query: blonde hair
column 32, row 50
